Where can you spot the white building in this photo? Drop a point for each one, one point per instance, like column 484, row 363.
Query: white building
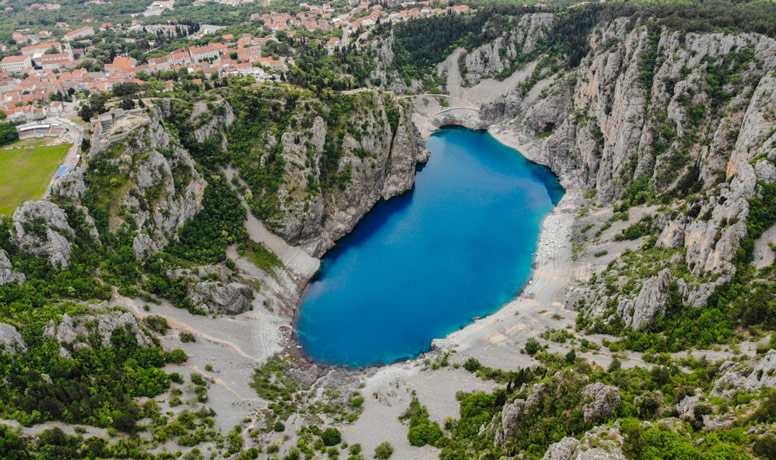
column 15, row 64
column 79, row 34
column 211, row 51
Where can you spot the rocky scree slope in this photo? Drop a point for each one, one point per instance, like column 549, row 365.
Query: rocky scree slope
column 516, row 45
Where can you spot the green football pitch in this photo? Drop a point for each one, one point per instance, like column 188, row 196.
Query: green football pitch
column 26, row 168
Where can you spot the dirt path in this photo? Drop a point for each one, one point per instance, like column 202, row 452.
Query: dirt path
column 177, row 325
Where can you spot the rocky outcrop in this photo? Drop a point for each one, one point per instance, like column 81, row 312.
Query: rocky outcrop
column 210, row 288
column 649, row 303
column 210, row 119
column 72, row 333
column 747, row 377
column 153, row 181
column 216, row 272
column 512, row 413
column 11, row 340
column 600, row 443
column 685, row 409
column 40, row 228
column 574, row 392
column 7, row 275
column 603, row 400
column 217, row 297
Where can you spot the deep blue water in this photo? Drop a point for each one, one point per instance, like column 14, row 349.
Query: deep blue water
column 425, row 264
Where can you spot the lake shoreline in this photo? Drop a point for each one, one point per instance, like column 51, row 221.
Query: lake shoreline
column 473, row 221
column 555, row 231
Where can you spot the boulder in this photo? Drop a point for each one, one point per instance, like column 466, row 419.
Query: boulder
column 11, row 340
column 233, row 298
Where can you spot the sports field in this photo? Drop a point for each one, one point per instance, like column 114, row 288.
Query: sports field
column 26, row 168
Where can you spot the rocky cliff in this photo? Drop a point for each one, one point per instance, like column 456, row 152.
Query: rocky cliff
column 137, row 178
column 313, row 165
column 379, row 162
column 655, row 116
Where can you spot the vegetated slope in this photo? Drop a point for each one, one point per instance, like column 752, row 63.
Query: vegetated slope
column 150, row 213
column 656, row 113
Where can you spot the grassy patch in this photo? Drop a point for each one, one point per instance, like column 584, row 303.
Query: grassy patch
column 262, row 257
column 25, row 170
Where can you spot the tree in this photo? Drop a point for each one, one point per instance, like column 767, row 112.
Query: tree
column 12, row 446
column 8, row 133
column 331, row 437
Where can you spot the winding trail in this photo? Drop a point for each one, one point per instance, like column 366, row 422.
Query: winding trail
column 177, row 325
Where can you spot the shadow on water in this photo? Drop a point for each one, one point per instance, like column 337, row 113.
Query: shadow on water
column 365, row 229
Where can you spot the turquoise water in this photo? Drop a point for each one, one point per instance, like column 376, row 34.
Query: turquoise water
column 425, row 264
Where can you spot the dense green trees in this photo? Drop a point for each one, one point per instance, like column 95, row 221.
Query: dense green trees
column 315, row 69
column 8, row 133
column 422, row 430
column 204, row 238
column 93, row 386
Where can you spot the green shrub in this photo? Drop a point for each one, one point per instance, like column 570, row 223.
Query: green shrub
column 532, row 346
column 331, row 437
column 384, row 451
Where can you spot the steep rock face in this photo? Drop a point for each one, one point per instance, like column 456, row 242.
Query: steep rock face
column 311, row 166
column 641, row 112
column 40, row 228
column 11, row 340
column 7, row 275
column 141, row 180
column 379, row 163
column 497, row 58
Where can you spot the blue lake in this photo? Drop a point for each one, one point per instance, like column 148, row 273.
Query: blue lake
column 422, row 265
